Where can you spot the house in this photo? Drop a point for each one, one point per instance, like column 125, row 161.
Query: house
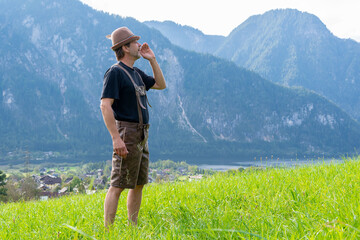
column 63, row 191
column 47, row 195
column 43, row 187
column 36, row 179
column 99, row 173
column 44, row 198
column 50, row 180
column 69, row 179
column 181, row 169
column 88, row 192
column 89, row 174
column 99, row 181
column 196, row 177
column 150, row 179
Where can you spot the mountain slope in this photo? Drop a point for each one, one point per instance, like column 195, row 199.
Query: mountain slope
column 296, row 49
column 54, row 55
column 292, row 48
column 248, row 115
column 187, row 37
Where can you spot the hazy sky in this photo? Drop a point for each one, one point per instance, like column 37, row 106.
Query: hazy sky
column 342, row 17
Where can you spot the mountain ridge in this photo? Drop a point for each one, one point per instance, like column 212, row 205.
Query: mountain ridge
column 52, row 65
column 295, row 48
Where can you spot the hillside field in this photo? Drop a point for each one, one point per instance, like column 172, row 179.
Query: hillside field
column 318, row 201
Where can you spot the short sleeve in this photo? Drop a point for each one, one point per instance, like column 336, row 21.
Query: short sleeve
column 112, row 84
column 149, row 81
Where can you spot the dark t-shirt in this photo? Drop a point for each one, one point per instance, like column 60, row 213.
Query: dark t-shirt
column 118, row 86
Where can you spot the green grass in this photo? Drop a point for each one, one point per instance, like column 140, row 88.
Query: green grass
column 308, row 202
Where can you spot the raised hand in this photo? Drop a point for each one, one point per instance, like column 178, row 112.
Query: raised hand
column 146, row 52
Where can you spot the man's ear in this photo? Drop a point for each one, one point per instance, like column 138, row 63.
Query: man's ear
column 125, row 48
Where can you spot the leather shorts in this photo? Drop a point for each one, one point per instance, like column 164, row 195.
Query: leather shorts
column 132, row 170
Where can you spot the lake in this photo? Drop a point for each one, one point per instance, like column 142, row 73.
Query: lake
column 267, row 163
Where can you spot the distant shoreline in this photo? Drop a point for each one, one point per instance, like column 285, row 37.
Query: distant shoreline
column 267, row 163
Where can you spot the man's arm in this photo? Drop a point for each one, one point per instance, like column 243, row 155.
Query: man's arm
column 149, row 55
column 119, row 146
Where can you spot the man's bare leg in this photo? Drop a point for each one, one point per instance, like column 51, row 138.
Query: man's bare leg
column 110, row 205
column 133, row 204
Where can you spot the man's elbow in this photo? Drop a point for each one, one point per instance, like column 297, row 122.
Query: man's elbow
column 158, row 86
column 163, row 87
column 103, row 107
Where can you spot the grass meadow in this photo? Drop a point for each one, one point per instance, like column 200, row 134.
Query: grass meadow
column 319, row 201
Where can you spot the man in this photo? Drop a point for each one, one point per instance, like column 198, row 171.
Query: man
column 125, row 113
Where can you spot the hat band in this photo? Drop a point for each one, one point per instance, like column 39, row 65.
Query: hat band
column 124, row 40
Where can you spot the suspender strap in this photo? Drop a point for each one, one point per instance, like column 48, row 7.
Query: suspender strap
column 147, row 100
column 139, row 104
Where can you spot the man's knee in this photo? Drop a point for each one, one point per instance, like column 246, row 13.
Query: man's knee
column 115, row 190
column 139, row 187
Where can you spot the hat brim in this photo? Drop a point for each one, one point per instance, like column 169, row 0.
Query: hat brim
column 119, row 44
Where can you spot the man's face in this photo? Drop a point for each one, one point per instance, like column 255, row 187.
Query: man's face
column 134, row 49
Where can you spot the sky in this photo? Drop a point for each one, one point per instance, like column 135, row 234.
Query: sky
column 342, row 17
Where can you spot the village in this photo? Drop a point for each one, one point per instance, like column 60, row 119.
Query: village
column 50, row 182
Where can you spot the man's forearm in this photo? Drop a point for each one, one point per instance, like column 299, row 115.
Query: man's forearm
column 158, row 75
column 119, row 146
column 109, row 120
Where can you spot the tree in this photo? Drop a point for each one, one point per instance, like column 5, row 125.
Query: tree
column 2, row 184
column 82, row 188
column 74, row 183
column 91, row 185
column 29, row 189
column 12, row 191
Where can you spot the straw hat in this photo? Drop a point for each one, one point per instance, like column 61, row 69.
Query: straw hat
column 121, row 36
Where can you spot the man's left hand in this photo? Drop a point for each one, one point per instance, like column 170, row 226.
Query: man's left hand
column 146, row 52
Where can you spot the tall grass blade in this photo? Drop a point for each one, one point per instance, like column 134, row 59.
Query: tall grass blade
column 79, row 231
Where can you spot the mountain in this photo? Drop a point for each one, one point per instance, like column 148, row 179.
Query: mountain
column 188, row 37
column 295, row 48
column 54, row 53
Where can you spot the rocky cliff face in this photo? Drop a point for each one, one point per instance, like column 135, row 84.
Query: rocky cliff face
column 54, row 55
